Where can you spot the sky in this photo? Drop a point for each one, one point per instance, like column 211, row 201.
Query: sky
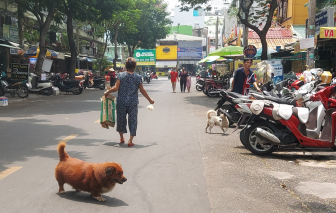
column 171, row 3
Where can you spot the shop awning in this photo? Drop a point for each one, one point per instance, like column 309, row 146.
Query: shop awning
column 209, row 59
column 328, row 32
column 9, row 46
column 272, row 42
column 91, row 59
column 34, row 51
column 165, row 64
column 297, row 56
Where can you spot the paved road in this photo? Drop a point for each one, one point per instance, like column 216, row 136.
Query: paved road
column 173, row 167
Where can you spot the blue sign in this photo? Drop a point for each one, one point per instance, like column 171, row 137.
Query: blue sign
column 189, row 52
column 250, row 51
column 278, row 48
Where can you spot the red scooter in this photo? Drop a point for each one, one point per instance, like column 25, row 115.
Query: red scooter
column 285, row 126
column 154, row 76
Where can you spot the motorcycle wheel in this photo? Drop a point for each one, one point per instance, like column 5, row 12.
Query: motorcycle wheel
column 77, row 90
column 198, row 88
column 2, row 91
column 22, row 92
column 249, row 139
column 229, row 110
column 210, row 90
column 102, row 87
column 148, row 81
column 48, row 92
column 242, row 139
column 205, row 90
column 156, row 77
column 333, row 148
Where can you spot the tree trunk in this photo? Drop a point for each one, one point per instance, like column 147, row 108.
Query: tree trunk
column 115, row 49
column 103, row 54
column 43, row 34
column 72, row 45
column 129, row 50
column 264, row 46
column 20, row 23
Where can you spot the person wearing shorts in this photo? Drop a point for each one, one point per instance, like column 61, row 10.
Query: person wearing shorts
column 173, row 78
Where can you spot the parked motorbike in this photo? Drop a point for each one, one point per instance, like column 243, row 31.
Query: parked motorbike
column 211, row 86
column 68, row 85
column 93, row 82
column 14, row 87
column 36, row 85
column 285, row 126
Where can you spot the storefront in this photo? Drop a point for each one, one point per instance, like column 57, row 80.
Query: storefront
column 166, row 58
column 189, row 53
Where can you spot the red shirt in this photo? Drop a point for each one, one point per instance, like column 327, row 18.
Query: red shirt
column 173, row 76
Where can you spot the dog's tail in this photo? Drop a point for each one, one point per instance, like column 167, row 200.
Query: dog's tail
column 211, row 112
column 61, row 152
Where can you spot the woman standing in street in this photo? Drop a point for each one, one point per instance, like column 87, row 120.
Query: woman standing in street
column 183, row 79
column 128, row 83
column 188, row 84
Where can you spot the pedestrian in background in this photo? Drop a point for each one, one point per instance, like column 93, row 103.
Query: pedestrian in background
column 188, row 81
column 112, row 77
column 173, row 77
column 183, row 79
column 128, row 83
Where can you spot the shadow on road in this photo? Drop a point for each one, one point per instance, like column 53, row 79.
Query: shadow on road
column 87, row 198
column 314, row 207
column 31, row 137
column 137, row 146
column 202, row 100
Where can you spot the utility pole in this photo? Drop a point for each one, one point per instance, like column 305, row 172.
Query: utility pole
column 311, row 32
column 217, row 34
column 245, row 28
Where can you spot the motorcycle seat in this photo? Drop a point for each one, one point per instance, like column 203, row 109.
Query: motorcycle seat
column 237, row 95
column 280, row 100
column 41, row 81
column 70, row 82
column 218, row 81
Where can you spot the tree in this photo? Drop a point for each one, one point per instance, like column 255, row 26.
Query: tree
column 152, row 25
column 250, row 13
column 44, row 11
column 123, row 21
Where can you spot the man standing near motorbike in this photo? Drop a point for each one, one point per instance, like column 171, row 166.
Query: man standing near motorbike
column 173, row 78
column 243, row 77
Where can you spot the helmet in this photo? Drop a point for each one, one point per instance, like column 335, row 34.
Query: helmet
column 333, row 81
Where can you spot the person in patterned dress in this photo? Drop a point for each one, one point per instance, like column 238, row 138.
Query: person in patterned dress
column 128, row 83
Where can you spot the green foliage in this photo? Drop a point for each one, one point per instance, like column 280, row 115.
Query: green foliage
column 101, row 64
column 152, row 25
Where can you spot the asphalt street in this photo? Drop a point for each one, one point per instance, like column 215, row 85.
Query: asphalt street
column 174, row 165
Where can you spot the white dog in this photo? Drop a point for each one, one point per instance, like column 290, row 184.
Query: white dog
column 214, row 120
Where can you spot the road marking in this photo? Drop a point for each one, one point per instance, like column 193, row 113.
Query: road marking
column 66, row 139
column 9, row 171
column 97, row 121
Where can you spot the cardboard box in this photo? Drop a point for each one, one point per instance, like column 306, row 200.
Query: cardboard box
column 326, row 77
column 107, row 114
column 3, row 101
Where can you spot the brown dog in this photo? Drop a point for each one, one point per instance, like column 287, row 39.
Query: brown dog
column 96, row 178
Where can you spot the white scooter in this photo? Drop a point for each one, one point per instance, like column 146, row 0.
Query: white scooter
column 36, row 85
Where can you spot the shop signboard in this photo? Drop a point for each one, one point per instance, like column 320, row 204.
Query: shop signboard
column 250, row 51
column 325, row 18
column 145, row 57
column 189, row 52
column 328, row 32
column 278, row 71
column 20, row 71
column 166, row 52
column 240, row 64
column 14, row 51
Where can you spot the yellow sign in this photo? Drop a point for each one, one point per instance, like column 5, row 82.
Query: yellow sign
column 146, row 63
column 161, row 73
column 328, row 32
column 166, row 52
column 254, row 67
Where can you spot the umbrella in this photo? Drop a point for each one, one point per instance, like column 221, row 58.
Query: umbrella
column 227, row 51
column 34, row 51
column 269, row 51
column 209, row 59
